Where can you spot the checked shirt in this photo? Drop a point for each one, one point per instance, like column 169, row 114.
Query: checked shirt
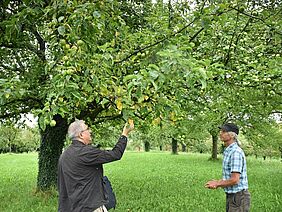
column 234, row 160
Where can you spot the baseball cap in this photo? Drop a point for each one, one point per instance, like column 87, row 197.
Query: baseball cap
column 229, row 127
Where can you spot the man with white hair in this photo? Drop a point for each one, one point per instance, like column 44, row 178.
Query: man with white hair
column 80, row 170
column 234, row 182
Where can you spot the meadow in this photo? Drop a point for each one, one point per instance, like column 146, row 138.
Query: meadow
column 155, row 181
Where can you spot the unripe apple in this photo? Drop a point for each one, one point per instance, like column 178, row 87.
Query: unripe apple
column 74, row 47
column 63, row 42
column 53, row 123
column 67, row 46
column 80, row 42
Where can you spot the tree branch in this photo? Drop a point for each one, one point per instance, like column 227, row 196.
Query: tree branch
column 10, row 115
column 107, row 118
column 42, row 47
column 257, row 18
column 156, row 43
column 227, row 57
column 168, row 37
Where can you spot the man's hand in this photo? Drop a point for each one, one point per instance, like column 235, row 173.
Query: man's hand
column 213, row 184
column 127, row 130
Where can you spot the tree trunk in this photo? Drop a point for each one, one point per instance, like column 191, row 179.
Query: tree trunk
column 174, row 146
column 147, row 146
column 52, row 142
column 161, row 149
column 214, row 145
column 10, row 147
column 183, row 145
column 280, row 149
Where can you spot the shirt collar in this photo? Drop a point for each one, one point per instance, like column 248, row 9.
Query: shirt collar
column 230, row 146
column 77, row 143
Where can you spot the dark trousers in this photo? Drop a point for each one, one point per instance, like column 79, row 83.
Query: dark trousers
column 238, row 202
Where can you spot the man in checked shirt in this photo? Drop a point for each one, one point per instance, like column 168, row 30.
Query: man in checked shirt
column 234, row 172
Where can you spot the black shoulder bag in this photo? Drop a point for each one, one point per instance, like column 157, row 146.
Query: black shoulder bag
column 109, row 194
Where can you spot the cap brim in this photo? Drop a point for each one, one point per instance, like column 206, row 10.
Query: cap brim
column 223, row 128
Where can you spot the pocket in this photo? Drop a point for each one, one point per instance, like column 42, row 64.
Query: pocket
column 237, row 199
column 247, row 201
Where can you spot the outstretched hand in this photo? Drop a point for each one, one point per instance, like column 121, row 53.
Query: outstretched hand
column 213, row 184
column 126, row 129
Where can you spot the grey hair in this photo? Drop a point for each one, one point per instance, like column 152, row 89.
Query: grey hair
column 235, row 137
column 75, row 128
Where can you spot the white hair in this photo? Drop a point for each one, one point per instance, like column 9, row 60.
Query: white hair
column 75, row 128
column 235, row 137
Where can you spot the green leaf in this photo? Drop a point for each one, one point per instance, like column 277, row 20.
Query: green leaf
column 76, row 94
column 96, row 14
column 205, row 22
column 61, row 18
column 153, row 66
column 41, row 122
column 129, row 77
column 154, row 74
column 61, row 30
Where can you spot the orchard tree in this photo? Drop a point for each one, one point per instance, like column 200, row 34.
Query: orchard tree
column 242, row 72
column 265, row 139
column 64, row 60
column 8, row 134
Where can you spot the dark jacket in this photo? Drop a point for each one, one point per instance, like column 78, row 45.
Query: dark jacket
column 80, row 173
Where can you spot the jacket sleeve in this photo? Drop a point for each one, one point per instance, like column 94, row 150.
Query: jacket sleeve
column 94, row 156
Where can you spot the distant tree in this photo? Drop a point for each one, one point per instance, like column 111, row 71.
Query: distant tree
column 8, row 136
column 28, row 139
column 265, row 138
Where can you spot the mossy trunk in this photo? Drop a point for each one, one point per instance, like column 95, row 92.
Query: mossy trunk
column 174, row 146
column 52, row 142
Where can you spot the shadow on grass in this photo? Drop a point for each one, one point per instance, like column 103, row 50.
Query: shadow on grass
column 46, row 194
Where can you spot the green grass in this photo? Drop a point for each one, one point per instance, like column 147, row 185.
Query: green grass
column 147, row 182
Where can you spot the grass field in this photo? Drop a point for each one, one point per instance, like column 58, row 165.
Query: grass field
column 147, row 182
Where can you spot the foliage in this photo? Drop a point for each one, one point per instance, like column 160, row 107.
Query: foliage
column 106, row 134
column 29, row 139
column 265, row 139
column 8, row 138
